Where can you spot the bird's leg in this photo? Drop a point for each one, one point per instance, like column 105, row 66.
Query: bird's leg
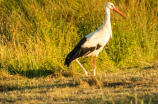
column 94, row 65
column 86, row 73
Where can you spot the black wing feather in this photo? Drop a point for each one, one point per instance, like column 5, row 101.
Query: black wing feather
column 78, row 51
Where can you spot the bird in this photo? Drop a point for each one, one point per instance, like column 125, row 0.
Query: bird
column 93, row 43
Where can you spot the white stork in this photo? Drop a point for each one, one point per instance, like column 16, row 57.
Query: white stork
column 93, row 43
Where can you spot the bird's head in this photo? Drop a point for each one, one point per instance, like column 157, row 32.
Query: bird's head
column 112, row 7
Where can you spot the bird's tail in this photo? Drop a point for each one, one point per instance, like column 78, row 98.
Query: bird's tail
column 68, row 60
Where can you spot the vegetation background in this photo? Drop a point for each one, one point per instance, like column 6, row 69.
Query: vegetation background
column 37, row 35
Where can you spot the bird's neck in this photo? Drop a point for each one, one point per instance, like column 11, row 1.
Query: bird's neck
column 107, row 23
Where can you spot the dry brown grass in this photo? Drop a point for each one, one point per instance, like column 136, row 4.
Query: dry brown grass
column 123, row 87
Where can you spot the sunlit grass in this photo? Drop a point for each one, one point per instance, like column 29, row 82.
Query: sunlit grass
column 136, row 86
column 37, row 35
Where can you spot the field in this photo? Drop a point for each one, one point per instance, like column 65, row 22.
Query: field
column 140, row 85
column 36, row 36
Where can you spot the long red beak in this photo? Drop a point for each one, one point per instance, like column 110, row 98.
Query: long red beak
column 116, row 10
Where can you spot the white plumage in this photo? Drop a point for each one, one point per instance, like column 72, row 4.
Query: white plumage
column 98, row 37
column 93, row 43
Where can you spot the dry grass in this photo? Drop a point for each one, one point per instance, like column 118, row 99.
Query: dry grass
column 36, row 36
column 124, row 87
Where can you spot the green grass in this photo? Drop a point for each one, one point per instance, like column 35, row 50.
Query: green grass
column 37, row 35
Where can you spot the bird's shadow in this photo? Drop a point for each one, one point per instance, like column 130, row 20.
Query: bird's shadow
column 74, row 81
column 33, row 73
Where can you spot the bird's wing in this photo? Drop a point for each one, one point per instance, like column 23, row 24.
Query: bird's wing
column 98, row 38
column 76, row 52
column 91, row 42
column 86, row 45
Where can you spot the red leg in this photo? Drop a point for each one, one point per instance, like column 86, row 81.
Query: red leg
column 94, row 65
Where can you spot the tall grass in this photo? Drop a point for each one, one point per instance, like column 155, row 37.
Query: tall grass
column 37, row 35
